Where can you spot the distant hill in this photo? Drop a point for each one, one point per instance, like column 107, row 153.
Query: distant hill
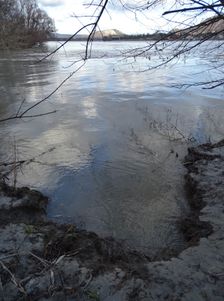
column 109, row 34
column 210, row 27
column 216, row 26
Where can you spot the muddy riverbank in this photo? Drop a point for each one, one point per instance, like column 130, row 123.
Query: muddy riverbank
column 41, row 260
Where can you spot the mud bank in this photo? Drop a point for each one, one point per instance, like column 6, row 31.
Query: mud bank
column 41, row 260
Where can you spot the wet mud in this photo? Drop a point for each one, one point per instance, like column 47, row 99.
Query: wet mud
column 43, row 260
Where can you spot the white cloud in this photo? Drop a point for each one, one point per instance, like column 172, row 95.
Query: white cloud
column 51, row 3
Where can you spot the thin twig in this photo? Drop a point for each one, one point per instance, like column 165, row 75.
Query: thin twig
column 63, row 44
column 13, row 279
column 45, row 262
column 181, row 10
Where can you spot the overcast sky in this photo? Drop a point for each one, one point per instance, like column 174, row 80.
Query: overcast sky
column 116, row 18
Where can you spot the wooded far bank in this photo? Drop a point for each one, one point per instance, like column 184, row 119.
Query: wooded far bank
column 23, row 24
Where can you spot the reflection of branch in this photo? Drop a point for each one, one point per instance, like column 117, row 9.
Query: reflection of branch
column 207, row 85
column 27, row 116
column 16, row 164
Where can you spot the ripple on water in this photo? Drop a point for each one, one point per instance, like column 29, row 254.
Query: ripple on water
column 119, row 138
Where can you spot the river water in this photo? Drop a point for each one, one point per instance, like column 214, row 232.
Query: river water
column 110, row 158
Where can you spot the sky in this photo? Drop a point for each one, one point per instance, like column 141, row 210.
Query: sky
column 114, row 18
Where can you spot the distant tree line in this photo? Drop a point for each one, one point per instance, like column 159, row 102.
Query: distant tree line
column 153, row 37
column 23, row 24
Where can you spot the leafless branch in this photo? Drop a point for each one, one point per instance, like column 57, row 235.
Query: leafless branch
column 63, row 44
column 91, row 26
column 202, row 7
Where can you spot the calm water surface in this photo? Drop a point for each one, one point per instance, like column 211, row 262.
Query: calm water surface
column 110, row 158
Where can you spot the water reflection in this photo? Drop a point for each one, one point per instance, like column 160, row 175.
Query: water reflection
column 118, row 139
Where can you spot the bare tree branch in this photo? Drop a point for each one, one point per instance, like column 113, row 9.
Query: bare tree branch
column 100, row 9
column 203, row 7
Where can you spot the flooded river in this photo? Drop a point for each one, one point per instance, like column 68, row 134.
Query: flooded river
column 110, row 158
